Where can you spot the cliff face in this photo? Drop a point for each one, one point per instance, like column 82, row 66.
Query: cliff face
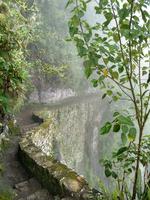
column 70, row 133
column 64, row 145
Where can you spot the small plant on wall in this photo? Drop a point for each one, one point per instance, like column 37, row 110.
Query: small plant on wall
column 115, row 49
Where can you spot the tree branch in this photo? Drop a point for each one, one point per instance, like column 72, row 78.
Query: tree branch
column 123, row 57
column 140, row 88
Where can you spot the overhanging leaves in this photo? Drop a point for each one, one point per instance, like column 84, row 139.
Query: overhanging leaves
column 106, row 128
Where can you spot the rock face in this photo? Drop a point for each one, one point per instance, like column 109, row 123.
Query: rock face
column 66, row 144
column 6, row 130
column 53, row 95
column 70, row 133
column 31, row 190
column 52, row 174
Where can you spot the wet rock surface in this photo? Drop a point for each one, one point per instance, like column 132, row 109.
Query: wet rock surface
column 62, row 183
column 53, row 175
column 56, row 146
column 23, row 183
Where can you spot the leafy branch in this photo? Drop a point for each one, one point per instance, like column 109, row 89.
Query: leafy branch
column 114, row 49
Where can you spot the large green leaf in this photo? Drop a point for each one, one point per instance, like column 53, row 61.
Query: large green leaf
column 106, row 128
column 121, row 150
column 124, row 129
column 116, row 127
column 123, row 138
column 125, row 120
column 132, row 133
column 87, row 69
column 107, row 172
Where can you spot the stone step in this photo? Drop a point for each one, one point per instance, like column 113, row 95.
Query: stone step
column 26, row 188
column 27, row 128
column 39, row 195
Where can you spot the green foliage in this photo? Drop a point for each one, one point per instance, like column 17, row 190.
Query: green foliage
column 106, row 128
column 115, row 50
column 14, row 35
column 6, row 193
column 122, row 166
column 122, row 124
column 4, row 144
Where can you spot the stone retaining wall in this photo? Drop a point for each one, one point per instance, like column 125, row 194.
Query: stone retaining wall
column 53, row 175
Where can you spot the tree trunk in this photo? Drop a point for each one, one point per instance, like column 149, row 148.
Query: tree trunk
column 137, row 164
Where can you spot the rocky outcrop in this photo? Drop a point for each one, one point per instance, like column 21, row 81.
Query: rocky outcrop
column 31, row 190
column 55, row 95
column 52, row 174
column 7, row 129
column 64, row 144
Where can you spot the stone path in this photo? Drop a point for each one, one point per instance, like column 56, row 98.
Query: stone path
column 31, row 190
column 24, row 186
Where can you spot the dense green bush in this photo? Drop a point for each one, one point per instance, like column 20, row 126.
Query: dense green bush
column 14, row 36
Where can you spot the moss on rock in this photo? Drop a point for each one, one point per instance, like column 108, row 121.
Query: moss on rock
column 53, row 175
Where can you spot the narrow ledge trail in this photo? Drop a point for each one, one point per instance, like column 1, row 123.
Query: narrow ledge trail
column 15, row 176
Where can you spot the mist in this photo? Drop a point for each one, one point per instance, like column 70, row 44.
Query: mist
column 65, row 132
